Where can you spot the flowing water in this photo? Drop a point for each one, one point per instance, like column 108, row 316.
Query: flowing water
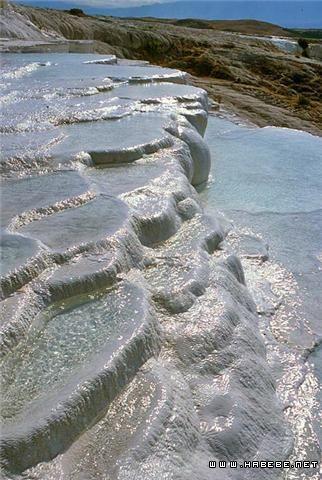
column 133, row 343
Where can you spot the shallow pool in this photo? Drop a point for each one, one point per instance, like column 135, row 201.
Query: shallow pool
column 269, row 180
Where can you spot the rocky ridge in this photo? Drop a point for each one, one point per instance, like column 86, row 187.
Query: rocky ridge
column 250, row 75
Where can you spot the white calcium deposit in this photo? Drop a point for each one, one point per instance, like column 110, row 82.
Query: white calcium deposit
column 130, row 345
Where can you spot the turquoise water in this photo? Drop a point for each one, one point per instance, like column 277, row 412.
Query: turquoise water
column 269, row 180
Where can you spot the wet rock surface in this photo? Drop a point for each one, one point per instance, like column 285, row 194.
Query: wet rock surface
column 251, row 68
column 130, row 345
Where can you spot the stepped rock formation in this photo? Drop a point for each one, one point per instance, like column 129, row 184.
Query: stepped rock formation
column 130, row 346
column 249, row 74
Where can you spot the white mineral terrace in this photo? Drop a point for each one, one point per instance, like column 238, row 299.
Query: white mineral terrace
column 130, row 346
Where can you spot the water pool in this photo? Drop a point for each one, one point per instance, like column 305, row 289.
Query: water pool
column 269, row 181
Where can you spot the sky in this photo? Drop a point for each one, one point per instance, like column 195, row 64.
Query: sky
column 127, row 3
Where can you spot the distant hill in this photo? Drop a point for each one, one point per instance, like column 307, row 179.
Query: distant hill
column 291, row 14
column 248, row 27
